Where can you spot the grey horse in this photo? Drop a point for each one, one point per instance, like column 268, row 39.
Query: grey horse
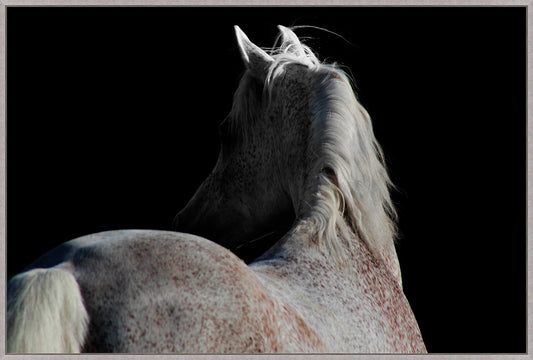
column 299, row 171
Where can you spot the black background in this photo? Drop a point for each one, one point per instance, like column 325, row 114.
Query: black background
column 112, row 118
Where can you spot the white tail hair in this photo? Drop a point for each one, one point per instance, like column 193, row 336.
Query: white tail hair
column 45, row 313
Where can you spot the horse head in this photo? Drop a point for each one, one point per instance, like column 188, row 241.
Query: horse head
column 296, row 144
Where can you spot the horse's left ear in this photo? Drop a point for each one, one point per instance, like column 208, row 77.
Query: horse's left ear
column 255, row 59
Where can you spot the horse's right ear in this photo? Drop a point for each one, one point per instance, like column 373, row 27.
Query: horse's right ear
column 255, row 59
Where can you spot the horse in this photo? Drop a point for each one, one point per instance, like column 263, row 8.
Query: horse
column 300, row 172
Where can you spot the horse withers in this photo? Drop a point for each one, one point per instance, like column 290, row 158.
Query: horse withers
column 301, row 174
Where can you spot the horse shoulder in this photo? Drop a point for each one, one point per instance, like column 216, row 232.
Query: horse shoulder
column 366, row 310
column 393, row 309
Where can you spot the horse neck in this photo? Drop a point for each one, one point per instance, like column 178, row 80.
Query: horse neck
column 306, row 242
column 338, row 217
column 303, row 245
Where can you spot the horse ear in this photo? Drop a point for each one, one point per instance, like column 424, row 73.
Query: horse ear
column 255, row 59
column 290, row 40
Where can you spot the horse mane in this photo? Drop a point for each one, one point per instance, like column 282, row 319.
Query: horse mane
column 352, row 177
column 353, row 183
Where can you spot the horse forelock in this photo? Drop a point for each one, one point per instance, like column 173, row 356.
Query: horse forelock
column 353, row 184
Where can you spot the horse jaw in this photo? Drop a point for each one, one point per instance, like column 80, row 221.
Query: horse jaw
column 248, row 233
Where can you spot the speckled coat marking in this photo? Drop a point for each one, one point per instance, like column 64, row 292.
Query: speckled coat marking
column 322, row 287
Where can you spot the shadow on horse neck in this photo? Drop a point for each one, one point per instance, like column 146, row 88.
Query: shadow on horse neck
column 298, row 151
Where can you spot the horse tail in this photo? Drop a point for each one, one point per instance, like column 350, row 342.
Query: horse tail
column 45, row 313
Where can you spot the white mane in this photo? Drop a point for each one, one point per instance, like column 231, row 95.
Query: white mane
column 352, row 179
